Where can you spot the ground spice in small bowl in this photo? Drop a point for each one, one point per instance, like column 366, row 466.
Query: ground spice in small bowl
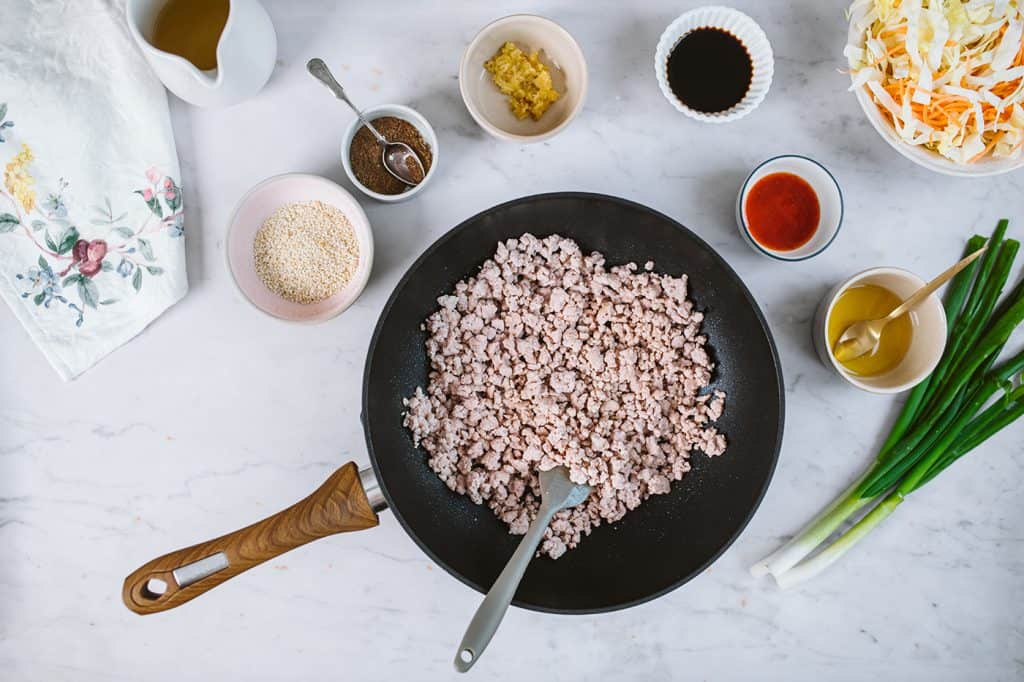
column 365, row 154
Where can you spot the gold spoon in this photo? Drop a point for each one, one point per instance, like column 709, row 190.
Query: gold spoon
column 861, row 338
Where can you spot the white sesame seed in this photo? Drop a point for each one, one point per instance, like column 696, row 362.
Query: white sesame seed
column 306, row 251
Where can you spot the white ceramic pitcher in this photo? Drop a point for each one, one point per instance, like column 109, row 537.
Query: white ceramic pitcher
column 246, row 53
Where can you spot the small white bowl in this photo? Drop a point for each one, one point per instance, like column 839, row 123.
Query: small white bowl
column 560, row 53
column 741, row 26
column 923, row 157
column 407, row 114
column 256, row 206
column 926, row 345
column 830, row 201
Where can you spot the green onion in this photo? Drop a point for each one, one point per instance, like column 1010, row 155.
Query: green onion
column 845, row 542
column 998, row 415
column 942, row 438
column 956, row 294
column 939, row 415
column 967, row 314
column 1015, row 295
column 943, row 419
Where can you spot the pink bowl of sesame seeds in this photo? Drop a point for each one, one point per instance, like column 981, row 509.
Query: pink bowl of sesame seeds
column 257, row 208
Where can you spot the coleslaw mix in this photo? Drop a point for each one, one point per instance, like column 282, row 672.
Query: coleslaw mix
column 948, row 74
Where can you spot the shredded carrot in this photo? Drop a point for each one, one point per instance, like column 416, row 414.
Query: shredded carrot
column 1006, row 87
column 948, row 113
column 898, row 30
column 988, row 147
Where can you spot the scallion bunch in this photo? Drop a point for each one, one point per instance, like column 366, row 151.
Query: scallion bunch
column 965, row 400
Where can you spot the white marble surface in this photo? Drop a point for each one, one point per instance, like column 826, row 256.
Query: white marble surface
column 217, row 415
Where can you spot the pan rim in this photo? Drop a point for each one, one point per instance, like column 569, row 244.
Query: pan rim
column 776, row 364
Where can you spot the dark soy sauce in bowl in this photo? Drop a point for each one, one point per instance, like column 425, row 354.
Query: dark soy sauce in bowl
column 710, row 70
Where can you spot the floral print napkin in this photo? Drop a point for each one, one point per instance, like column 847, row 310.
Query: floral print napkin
column 91, row 222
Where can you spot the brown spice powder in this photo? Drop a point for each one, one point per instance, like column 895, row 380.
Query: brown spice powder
column 365, row 154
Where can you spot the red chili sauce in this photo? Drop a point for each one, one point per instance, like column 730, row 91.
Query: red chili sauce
column 782, row 211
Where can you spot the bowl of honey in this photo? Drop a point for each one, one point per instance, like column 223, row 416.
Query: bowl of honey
column 910, row 346
column 790, row 208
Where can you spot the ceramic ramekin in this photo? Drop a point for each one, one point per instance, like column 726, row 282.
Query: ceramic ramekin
column 405, row 113
column 256, row 206
column 926, row 345
column 741, row 26
column 830, row 201
column 560, row 51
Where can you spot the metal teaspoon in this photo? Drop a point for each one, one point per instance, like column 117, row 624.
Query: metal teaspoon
column 398, row 158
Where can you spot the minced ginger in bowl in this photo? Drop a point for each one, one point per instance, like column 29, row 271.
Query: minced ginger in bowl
column 524, row 79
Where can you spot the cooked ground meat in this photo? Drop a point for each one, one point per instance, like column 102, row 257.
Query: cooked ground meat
column 546, row 357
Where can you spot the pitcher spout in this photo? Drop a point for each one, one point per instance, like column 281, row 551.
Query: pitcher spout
column 246, row 51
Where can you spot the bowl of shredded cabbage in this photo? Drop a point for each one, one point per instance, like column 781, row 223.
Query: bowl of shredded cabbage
column 942, row 81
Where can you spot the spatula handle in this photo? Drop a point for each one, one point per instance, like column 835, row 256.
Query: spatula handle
column 338, row 506
column 492, row 610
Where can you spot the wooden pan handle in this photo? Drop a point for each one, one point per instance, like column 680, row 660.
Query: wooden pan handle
column 337, row 506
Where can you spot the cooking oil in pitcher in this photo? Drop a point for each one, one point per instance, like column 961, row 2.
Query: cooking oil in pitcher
column 191, row 29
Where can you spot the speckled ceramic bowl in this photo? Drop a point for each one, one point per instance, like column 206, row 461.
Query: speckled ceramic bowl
column 256, row 206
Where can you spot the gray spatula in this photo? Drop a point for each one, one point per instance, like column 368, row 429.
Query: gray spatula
column 556, row 492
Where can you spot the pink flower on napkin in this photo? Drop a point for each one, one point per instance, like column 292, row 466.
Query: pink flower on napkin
column 153, row 175
column 79, row 251
column 96, row 251
column 89, row 256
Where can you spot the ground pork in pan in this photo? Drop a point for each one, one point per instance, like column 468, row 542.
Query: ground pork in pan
column 547, row 357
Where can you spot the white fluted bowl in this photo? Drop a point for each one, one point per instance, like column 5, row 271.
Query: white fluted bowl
column 741, row 26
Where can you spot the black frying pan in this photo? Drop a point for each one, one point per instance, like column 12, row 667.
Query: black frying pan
column 654, row 549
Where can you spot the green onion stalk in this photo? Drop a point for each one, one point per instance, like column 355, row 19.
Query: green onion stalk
column 943, row 419
column 924, row 472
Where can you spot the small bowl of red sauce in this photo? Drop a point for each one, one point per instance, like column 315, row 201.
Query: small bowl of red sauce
column 790, row 208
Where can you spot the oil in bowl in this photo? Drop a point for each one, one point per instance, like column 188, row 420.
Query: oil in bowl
column 868, row 302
